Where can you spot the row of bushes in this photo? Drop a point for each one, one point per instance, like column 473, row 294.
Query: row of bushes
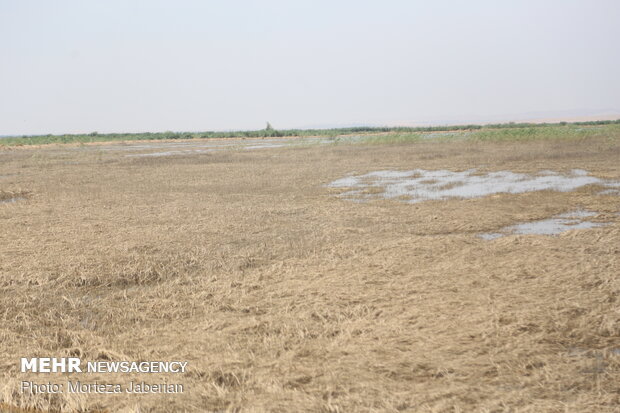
column 270, row 132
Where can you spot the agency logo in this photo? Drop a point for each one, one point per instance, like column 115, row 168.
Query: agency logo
column 51, row 365
column 74, row 365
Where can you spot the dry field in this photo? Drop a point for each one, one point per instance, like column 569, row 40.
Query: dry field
column 284, row 297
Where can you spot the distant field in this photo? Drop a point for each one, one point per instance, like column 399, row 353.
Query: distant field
column 489, row 130
column 329, row 275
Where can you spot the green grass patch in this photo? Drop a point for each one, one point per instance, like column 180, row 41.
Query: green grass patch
column 505, row 131
column 568, row 131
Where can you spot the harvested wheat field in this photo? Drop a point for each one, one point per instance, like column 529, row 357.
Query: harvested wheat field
column 332, row 277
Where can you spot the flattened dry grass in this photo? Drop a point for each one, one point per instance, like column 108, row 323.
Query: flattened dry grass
column 283, row 297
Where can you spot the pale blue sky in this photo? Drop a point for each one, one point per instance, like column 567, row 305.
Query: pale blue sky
column 190, row 65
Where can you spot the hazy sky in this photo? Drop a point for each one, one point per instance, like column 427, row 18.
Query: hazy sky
column 192, row 65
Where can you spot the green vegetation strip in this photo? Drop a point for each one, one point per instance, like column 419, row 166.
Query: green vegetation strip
column 503, row 131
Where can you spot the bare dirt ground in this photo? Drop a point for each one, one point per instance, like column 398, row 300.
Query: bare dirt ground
column 284, row 297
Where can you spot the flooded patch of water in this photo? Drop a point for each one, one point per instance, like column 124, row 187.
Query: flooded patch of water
column 173, row 148
column 12, row 200
column 266, row 145
column 186, row 148
column 551, row 226
column 169, row 153
column 610, row 192
column 580, row 213
column 161, row 149
column 423, row 185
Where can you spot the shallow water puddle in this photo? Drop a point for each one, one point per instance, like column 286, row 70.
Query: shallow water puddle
column 201, row 148
column 551, row 226
column 422, row 185
column 267, row 145
column 12, row 200
column 169, row 153
column 162, row 149
column 610, row 192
